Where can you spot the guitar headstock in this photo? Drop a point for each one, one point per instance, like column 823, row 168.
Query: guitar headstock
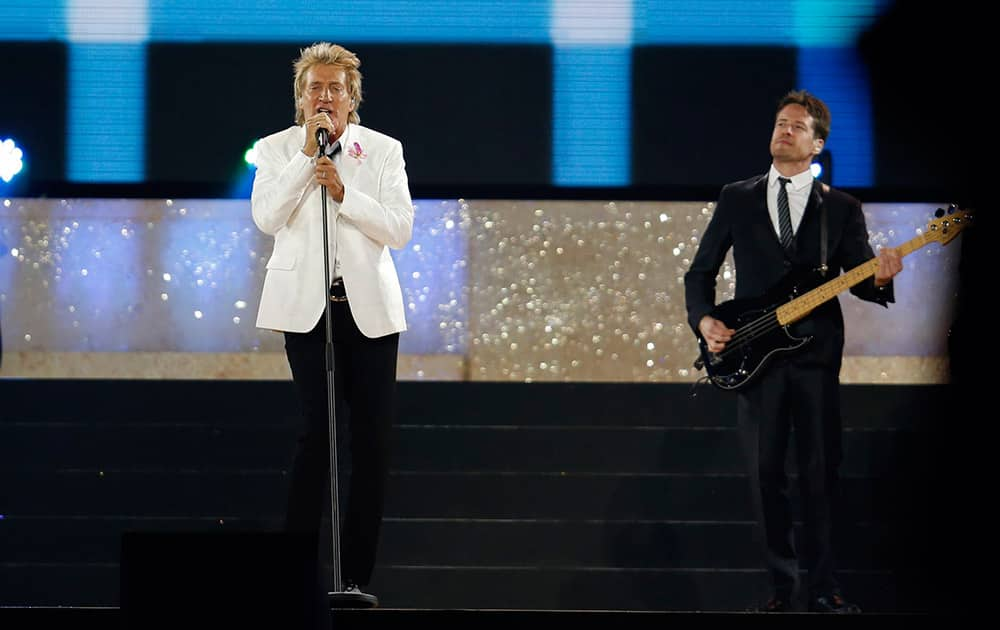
column 947, row 224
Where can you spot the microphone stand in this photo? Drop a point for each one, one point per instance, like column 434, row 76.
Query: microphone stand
column 338, row 598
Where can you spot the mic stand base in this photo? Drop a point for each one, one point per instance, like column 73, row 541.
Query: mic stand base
column 351, row 599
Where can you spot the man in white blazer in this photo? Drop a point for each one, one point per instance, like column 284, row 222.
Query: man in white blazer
column 369, row 210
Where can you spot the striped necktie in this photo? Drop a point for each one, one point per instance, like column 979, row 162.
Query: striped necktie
column 784, row 216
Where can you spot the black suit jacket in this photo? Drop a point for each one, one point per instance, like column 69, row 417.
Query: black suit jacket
column 741, row 222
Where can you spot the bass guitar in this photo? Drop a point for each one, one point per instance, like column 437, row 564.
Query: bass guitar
column 761, row 323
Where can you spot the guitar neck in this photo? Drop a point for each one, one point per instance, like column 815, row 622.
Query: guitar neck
column 804, row 304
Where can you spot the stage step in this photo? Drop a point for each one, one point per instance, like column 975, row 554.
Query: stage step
column 94, row 618
column 552, row 496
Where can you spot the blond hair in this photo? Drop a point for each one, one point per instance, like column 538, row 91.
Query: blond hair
column 325, row 53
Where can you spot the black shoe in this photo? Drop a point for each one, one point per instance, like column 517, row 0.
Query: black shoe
column 352, row 597
column 776, row 605
column 833, row 603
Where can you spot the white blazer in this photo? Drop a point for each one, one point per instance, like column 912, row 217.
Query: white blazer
column 376, row 214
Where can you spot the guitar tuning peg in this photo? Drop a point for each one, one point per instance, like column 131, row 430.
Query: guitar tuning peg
column 939, row 213
column 952, row 208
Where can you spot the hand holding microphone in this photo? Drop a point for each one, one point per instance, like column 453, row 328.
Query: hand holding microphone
column 320, row 128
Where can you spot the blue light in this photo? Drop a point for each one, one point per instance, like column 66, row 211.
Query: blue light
column 241, row 185
column 10, row 160
column 687, row 22
column 38, row 20
column 479, row 21
column 839, row 77
column 817, row 169
column 825, row 23
column 203, row 274
column 99, row 275
column 592, row 116
column 106, row 117
column 750, row 22
column 433, row 276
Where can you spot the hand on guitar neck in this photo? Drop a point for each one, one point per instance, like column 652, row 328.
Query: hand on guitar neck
column 889, row 264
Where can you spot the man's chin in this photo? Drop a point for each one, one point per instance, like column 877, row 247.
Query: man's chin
column 784, row 154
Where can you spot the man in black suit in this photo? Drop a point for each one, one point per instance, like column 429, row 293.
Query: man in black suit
column 798, row 389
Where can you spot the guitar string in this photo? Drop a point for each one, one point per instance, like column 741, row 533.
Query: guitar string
column 760, row 326
column 769, row 321
column 748, row 333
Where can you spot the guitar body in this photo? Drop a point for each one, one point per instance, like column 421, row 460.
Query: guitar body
column 759, row 336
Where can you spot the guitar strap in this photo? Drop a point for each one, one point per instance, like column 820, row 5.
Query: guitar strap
column 822, row 236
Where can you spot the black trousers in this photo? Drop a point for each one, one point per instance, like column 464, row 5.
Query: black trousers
column 805, row 397
column 365, row 401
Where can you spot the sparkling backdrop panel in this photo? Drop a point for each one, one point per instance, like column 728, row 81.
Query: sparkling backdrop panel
column 494, row 290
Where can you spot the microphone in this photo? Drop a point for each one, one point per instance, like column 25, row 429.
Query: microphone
column 322, row 138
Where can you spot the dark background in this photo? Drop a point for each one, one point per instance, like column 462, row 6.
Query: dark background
column 478, row 118
column 459, row 128
column 32, row 102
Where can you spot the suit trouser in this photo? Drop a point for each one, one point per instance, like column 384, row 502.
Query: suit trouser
column 805, row 397
column 365, row 401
